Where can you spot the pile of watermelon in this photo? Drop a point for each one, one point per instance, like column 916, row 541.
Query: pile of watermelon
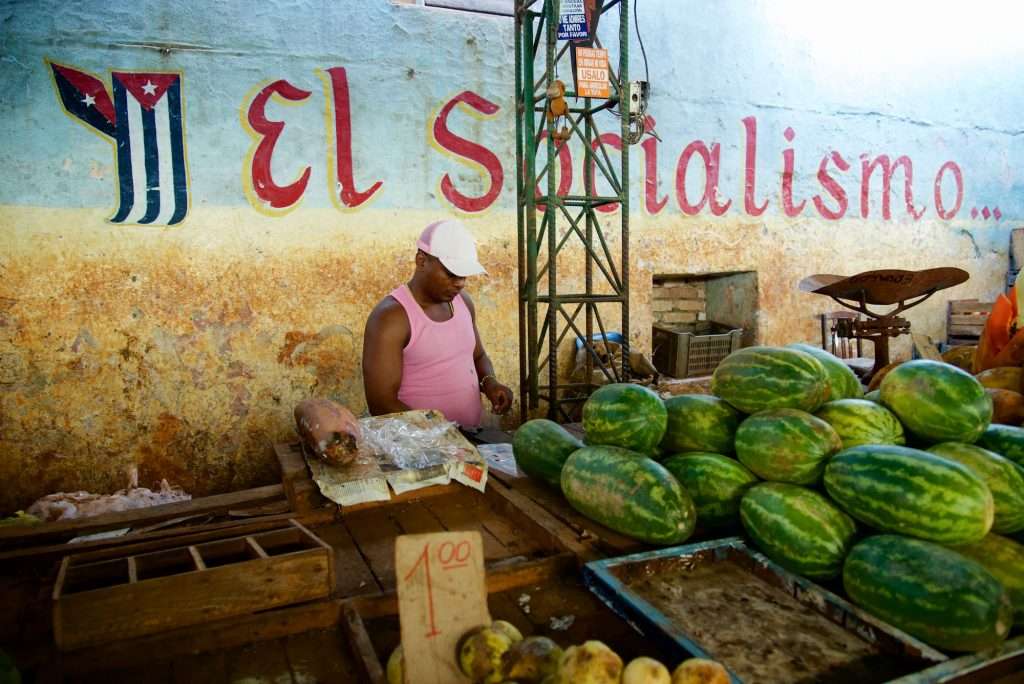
column 913, row 497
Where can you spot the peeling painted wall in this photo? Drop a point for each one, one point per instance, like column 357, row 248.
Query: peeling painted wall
column 181, row 349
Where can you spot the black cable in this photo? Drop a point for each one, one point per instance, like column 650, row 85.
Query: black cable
column 636, row 25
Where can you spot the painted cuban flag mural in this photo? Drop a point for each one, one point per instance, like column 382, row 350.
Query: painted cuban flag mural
column 142, row 115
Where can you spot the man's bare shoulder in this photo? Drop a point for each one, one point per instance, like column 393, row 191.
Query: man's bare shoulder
column 389, row 314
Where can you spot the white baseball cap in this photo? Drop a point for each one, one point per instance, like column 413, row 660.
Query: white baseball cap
column 451, row 243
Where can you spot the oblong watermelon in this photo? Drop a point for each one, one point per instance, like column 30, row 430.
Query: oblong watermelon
column 911, row 492
column 1005, row 479
column 928, row 591
column 786, row 445
column 937, row 401
column 758, row 378
column 541, row 447
column 716, row 484
column 859, row 421
column 1005, row 440
column 797, row 528
column 629, row 493
column 624, row 415
column 842, row 381
column 699, row 422
column 1004, row 558
column 875, row 396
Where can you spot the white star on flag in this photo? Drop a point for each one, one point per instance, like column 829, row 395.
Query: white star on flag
column 89, row 101
column 149, row 88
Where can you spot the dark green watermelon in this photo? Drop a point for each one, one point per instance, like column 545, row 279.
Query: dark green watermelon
column 1004, row 558
column 699, row 422
column 625, row 415
column 759, row 378
column 937, row 401
column 928, row 591
column 1005, row 440
column 541, row 447
column 859, row 421
column 842, row 381
column 1005, row 479
column 716, row 484
column 786, row 445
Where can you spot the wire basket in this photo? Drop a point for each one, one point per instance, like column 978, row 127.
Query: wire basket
column 695, row 349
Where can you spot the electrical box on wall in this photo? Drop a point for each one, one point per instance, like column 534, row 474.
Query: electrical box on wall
column 637, row 97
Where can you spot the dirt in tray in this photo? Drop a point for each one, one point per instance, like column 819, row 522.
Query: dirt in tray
column 761, row 632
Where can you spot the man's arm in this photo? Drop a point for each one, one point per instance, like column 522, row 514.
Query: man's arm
column 386, row 334
column 499, row 395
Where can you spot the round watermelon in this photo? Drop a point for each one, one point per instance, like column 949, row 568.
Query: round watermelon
column 716, row 484
column 1004, row 558
column 937, row 401
column 842, row 381
column 541, row 447
column 758, row 378
column 625, row 415
column 1005, row 440
column 629, row 493
column 928, row 591
column 699, row 422
column 859, row 421
column 797, row 528
column 875, row 396
column 786, row 445
column 911, row 492
column 1005, row 479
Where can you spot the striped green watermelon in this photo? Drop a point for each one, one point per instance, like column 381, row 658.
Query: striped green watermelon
column 624, row 415
column 842, row 381
column 1005, row 440
column 912, row 492
column 759, row 378
column 859, row 421
column 875, row 396
column 786, row 445
column 797, row 528
column 1005, row 479
column 699, row 422
column 1004, row 558
column 937, row 401
column 541, row 447
column 716, row 484
column 928, row 591
column 629, row 493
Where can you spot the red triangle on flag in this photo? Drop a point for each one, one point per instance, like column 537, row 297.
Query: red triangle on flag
column 146, row 88
column 90, row 86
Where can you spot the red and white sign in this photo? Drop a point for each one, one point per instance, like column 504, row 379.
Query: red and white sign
column 592, row 72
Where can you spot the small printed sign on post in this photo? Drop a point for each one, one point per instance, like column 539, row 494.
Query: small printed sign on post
column 592, row 72
column 442, row 594
column 572, row 21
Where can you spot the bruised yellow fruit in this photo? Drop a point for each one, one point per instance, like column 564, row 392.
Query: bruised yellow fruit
column 700, row 671
column 531, row 659
column 396, row 665
column 646, row 671
column 510, row 630
column 1003, row 377
column 961, row 357
column 480, row 653
column 591, row 663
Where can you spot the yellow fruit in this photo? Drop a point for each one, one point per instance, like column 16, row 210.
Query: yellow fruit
column 479, row 654
column 700, row 671
column 961, row 357
column 396, row 664
column 646, row 671
column 1003, row 377
column 531, row 659
column 509, row 629
column 591, row 663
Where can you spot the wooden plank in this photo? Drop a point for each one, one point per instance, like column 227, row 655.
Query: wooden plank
column 976, row 319
column 964, row 330
column 352, row 574
column 415, row 518
column 458, row 513
column 141, row 516
column 131, row 610
column 959, row 306
column 374, row 532
column 202, row 668
column 266, row 662
column 217, row 635
column 302, row 493
column 320, row 656
column 367, row 662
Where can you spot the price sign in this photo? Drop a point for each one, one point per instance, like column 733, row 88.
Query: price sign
column 441, row 596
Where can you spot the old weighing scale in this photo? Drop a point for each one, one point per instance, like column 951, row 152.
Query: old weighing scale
column 884, row 287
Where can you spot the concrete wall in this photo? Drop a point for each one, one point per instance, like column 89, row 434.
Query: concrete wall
column 180, row 345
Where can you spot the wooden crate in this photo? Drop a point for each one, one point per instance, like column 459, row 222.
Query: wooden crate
column 136, row 595
column 965, row 321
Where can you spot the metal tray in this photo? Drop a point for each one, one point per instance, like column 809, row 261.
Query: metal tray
column 608, row 580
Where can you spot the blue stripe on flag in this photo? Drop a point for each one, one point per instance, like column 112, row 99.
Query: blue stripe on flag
column 124, row 153
column 152, row 165
column 177, row 154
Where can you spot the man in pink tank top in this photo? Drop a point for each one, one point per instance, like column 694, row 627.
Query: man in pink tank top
column 421, row 347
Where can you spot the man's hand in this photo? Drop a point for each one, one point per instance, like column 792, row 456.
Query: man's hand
column 500, row 395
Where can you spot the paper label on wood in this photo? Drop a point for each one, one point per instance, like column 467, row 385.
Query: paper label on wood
column 442, row 594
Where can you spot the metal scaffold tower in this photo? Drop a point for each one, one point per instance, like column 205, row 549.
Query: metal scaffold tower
column 573, row 274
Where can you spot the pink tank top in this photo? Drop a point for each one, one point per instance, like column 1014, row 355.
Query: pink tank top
column 437, row 364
